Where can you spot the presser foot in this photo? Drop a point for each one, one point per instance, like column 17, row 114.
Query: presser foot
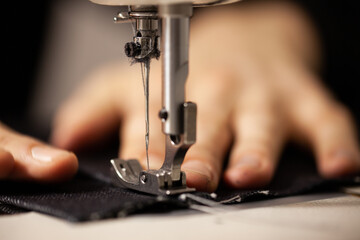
column 169, row 179
column 129, row 174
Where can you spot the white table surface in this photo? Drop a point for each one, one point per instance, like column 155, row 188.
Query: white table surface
column 317, row 216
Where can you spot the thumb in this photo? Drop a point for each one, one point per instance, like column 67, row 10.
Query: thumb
column 22, row 157
column 6, row 163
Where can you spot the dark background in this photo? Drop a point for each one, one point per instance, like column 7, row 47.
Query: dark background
column 338, row 25
column 24, row 29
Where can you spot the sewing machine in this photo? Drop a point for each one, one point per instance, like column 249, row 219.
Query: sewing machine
column 161, row 27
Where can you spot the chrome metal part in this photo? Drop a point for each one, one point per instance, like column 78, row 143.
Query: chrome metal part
column 169, row 179
column 196, row 3
column 175, row 63
column 155, row 182
column 145, row 44
column 177, row 146
column 178, row 117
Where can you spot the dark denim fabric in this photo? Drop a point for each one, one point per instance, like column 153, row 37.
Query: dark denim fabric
column 90, row 195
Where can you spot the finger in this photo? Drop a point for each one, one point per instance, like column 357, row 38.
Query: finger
column 259, row 136
column 91, row 114
column 6, row 163
column 332, row 134
column 204, row 160
column 327, row 126
column 34, row 160
column 336, row 145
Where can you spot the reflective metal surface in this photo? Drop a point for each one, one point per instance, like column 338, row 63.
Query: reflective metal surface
column 196, row 3
column 178, row 117
column 169, row 179
column 175, row 63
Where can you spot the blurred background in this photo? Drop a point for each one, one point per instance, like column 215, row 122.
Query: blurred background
column 50, row 46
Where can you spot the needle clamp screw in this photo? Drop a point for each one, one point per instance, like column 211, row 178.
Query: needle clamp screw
column 163, row 114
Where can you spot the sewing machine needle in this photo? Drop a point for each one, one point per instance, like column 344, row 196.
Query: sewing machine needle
column 145, row 69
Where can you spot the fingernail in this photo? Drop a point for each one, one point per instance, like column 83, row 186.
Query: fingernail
column 199, row 167
column 45, row 154
column 342, row 154
column 248, row 161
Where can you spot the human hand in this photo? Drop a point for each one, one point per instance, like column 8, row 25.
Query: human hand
column 25, row 158
column 251, row 75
